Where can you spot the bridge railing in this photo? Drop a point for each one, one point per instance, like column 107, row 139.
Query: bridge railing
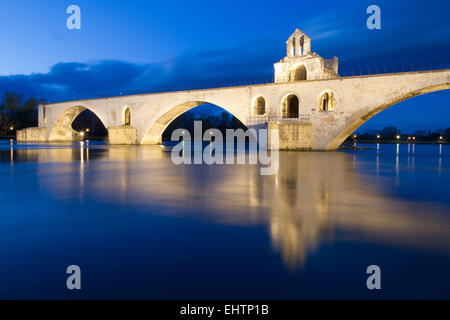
column 278, row 117
column 211, row 84
column 289, row 117
column 349, row 71
column 257, row 120
column 344, row 71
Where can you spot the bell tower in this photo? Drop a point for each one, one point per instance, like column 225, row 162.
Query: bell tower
column 298, row 44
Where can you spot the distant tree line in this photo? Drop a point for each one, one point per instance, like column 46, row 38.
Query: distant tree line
column 393, row 133
column 17, row 113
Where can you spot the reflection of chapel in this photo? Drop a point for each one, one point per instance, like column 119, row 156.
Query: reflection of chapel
column 302, row 64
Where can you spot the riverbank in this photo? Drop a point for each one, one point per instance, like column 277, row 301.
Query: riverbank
column 396, row 142
column 8, row 137
column 87, row 138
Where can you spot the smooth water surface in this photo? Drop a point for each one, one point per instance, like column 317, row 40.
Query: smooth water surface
column 141, row 227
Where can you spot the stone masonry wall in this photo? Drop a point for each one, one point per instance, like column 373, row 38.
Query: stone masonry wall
column 32, row 134
column 293, row 135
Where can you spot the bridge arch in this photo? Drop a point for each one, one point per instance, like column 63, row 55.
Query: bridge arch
column 62, row 128
column 360, row 117
column 153, row 132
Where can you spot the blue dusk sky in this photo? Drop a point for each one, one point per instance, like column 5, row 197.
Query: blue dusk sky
column 138, row 45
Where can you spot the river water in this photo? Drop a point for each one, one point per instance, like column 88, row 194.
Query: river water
column 140, row 226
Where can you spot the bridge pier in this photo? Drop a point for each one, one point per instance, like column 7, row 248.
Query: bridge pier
column 123, row 135
column 65, row 136
column 292, row 135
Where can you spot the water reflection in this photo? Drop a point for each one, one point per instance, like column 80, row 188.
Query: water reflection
column 11, row 151
column 313, row 198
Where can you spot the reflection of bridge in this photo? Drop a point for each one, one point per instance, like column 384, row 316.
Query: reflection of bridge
column 306, row 87
column 310, row 201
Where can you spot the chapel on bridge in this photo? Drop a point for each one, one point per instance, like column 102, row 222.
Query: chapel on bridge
column 302, row 64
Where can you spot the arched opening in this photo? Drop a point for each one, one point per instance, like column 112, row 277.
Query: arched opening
column 127, row 116
column 290, row 107
column 90, row 125
column 327, row 102
column 154, row 132
column 78, row 123
column 391, row 124
column 211, row 117
column 294, row 53
column 259, row 106
column 302, row 43
column 298, row 74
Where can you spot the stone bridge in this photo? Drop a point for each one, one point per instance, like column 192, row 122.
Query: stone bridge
column 311, row 105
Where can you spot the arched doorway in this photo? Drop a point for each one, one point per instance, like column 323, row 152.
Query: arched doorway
column 298, row 74
column 259, row 106
column 290, row 107
column 127, row 116
column 327, row 102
